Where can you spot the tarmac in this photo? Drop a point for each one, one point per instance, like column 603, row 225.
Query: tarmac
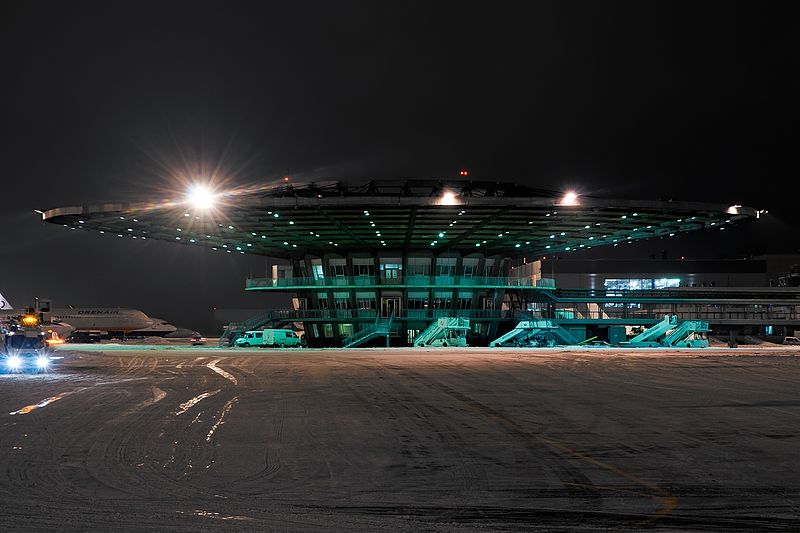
column 182, row 438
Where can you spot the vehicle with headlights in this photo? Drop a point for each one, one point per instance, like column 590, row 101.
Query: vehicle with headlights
column 197, row 340
column 24, row 344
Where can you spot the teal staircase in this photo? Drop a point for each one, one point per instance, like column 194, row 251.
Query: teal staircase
column 381, row 328
column 672, row 333
column 535, row 332
column 439, row 332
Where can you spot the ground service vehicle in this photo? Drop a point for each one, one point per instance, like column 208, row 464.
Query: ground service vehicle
column 86, row 336
column 23, row 344
column 272, row 338
column 791, row 340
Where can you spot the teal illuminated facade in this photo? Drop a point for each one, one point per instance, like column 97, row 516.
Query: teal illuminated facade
column 413, row 250
column 346, row 292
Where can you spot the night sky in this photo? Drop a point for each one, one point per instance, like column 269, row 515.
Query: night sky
column 114, row 101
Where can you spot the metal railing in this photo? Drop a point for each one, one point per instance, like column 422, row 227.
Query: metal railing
column 381, row 327
column 785, row 314
column 677, row 294
column 407, row 281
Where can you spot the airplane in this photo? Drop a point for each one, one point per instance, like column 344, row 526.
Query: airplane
column 5, row 305
column 159, row 328
column 109, row 320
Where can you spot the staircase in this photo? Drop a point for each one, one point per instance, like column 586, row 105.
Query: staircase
column 436, row 333
column 381, row 328
column 652, row 335
column 670, row 333
column 235, row 329
column 535, row 332
column 689, row 335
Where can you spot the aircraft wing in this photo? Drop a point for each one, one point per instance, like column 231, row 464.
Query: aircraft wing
column 5, row 305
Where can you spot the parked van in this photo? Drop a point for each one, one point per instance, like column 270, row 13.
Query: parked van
column 280, row 338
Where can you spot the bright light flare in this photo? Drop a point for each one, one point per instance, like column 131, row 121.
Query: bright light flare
column 30, row 321
column 42, row 361
column 13, row 362
column 201, row 197
column 569, row 198
column 448, row 198
column 733, row 210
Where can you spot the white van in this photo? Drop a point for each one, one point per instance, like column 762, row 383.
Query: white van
column 281, row 338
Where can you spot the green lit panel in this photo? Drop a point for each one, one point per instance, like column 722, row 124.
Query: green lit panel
column 377, row 218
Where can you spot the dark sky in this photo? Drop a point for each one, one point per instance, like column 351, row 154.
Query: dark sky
column 637, row 100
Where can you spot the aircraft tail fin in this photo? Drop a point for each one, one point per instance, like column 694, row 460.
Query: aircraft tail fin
column 5, row 305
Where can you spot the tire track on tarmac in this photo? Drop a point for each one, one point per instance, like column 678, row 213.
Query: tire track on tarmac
column 667, row 502
column 411, row 416
column 574, row 480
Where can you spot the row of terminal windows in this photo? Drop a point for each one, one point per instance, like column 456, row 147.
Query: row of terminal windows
column 418, row 267
column 443, row 300
column 411, row 303
column 629, row 284
column 633, row 284
column 648, row 283
column 346, row 330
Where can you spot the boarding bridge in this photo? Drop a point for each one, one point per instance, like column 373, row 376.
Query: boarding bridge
column 381, row 328
column 535, row 332
column 672, row 333
column 445, row 331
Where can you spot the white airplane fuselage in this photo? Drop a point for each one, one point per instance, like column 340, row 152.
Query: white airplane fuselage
column 158, row 328
column 103, row 319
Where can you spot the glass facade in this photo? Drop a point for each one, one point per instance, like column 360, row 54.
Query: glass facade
column 633, row 284
column 414, row 290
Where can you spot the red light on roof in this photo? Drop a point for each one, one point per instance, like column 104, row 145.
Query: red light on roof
column 464, row 173
column 286, row 178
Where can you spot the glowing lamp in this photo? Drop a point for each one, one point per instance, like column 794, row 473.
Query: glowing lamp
column 201, row 197
column 570, row 198
column 30, row 321
column 448, row 198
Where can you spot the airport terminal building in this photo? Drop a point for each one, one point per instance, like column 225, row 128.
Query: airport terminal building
column 403, row 255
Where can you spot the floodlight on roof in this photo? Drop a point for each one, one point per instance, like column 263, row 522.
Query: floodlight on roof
column 448, row 198
column 569, row 198
column 201, row 197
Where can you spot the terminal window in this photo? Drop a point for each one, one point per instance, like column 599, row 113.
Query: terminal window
column 632, row 284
